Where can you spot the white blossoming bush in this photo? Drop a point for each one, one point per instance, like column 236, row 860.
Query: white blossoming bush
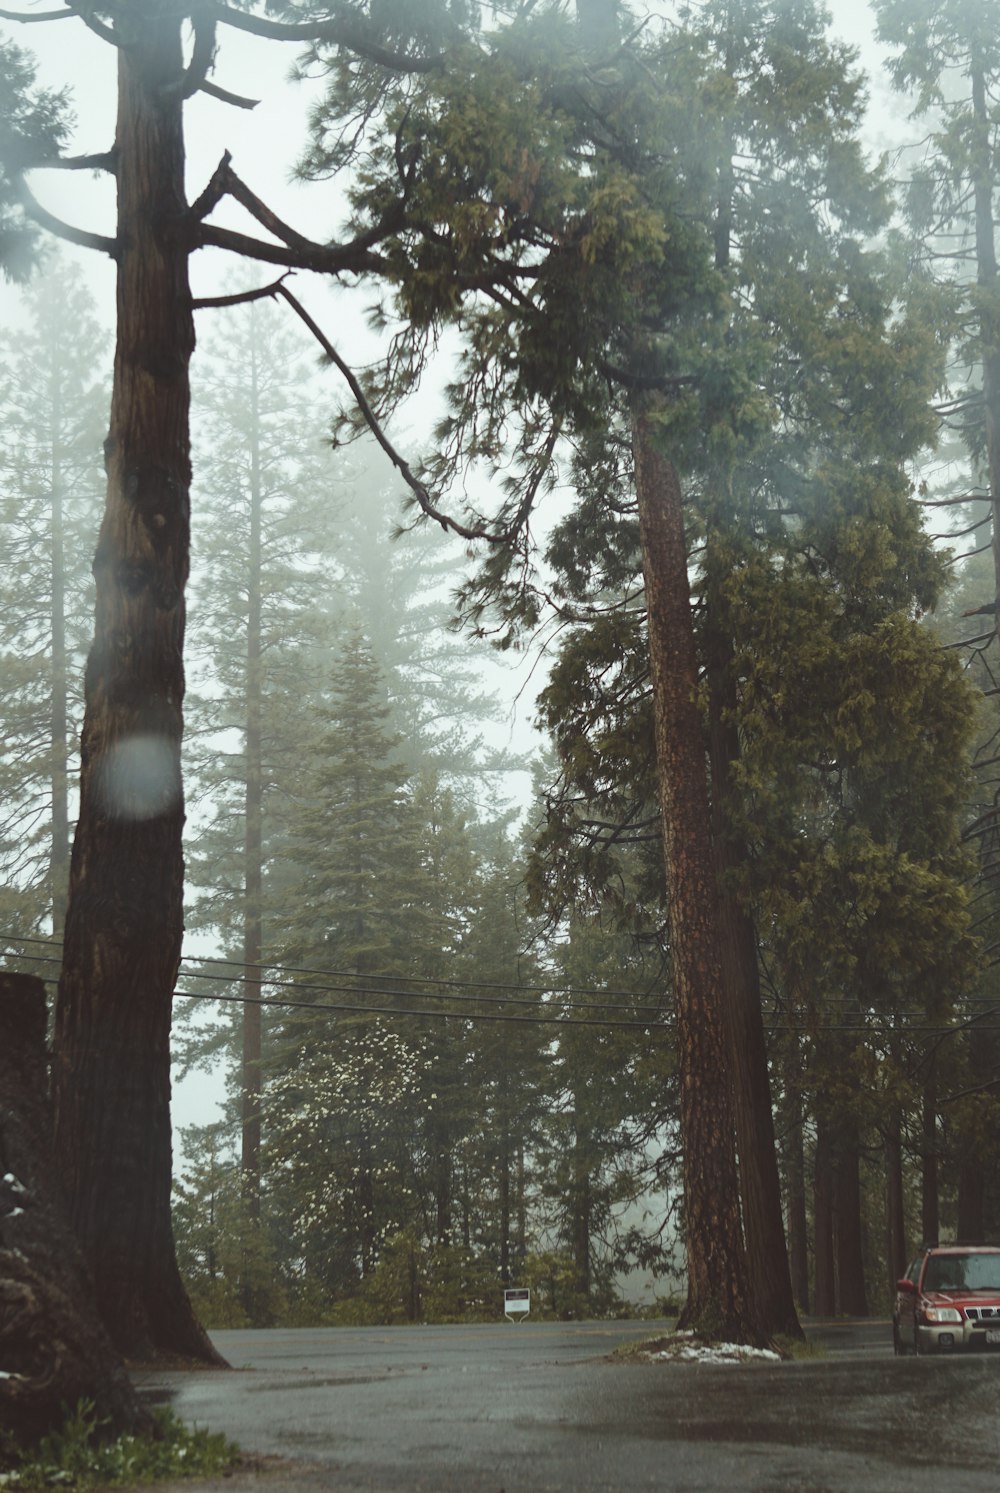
column 344, row 1128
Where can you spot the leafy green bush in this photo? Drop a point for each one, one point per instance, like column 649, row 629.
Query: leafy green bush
column 74, row 1459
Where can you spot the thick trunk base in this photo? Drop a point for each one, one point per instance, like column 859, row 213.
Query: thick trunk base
column 53, row 1348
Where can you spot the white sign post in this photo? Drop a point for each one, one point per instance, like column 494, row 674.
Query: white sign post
column 516, row 1304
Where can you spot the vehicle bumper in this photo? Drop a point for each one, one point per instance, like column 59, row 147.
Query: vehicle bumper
column 957, row 1337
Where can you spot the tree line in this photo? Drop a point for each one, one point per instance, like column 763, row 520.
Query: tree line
column 682, row 299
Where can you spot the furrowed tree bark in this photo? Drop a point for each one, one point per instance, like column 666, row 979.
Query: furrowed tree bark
column 251, row 1077
column 580, row 1203
column 760, row 1185
column 987, row 279
column 896, row 1256
column 59, row 706
column 53, row 1349
column 852, row 1298
column 719, row 1301
column 124, row 918
column 794, row 1168
column 824, row 1284
column 929, row 1213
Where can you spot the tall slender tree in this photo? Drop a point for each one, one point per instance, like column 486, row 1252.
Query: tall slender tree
column 945, row 60
column 265, row 492
column 125, row 912
column 54, row 407
column 597, row 216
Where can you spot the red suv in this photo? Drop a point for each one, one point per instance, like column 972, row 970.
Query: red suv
column 949, row 1298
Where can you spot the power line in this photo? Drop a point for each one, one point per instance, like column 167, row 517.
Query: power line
column 860, row 1028
column 295, row 969
column 354, row 1009
column 456, row 990
column 562, row 1021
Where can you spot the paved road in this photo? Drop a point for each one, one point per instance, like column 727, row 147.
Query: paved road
column 539, row 1407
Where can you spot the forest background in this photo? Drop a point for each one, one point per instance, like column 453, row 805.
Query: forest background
column 537, row 1171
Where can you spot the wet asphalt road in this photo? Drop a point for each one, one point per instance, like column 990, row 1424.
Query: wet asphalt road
column 538, row 1406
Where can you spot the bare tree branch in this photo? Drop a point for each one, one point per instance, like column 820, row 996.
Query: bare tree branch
column 202, row 57
column 295, row 251
column 26, row 19
column 236, row 99
column 214, row 192
column 103, row 161
column 335, row 259
column 238, row 298
column 241, row 193
column 40, row 215
column 89, row 19
column 413, row 482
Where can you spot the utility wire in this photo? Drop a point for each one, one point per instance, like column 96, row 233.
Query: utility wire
column 552, row 988
column 363, row 991
column 860, row 1027
column 663, row 1024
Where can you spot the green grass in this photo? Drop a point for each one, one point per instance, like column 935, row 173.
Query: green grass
column 72, row 1459
column 799, row 1348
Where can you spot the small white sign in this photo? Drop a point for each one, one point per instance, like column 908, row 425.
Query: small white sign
column 516, row 1303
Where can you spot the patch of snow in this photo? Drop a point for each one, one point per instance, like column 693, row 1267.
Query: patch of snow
column 690, row 1352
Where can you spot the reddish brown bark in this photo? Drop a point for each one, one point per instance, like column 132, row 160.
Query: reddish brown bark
column 929, row 1207
column 719, row 1288
column 987, row 278
column 794, row 1167
column 971, row 1200
column 895, row 1222
column 760, row 1186
column 824, row 1285
column 125, row 914
column 53, row 1349
column 847, row 1204
column 251, row 1077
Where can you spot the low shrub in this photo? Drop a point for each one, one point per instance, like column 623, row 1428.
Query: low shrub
column 75, row 1459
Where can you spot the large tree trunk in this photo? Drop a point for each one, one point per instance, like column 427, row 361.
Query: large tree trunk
column 847, row 1203
column 251, row 1077
column 987, row 279
column 580, row 1205
column 504, row 1180
column 793, row 1156
column 760, row 1186
column 59, row 706
column 824, row 1285
column 895, row 1216
column 929, row 1207
column 971, row 1199
column 125, row 915
column 53, row 1349
column 719, row 1298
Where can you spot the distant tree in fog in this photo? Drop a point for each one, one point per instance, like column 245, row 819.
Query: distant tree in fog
column 34, row 124
column 53, row 413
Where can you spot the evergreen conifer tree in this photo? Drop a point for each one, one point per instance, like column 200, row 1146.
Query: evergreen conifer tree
column 54, row 403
